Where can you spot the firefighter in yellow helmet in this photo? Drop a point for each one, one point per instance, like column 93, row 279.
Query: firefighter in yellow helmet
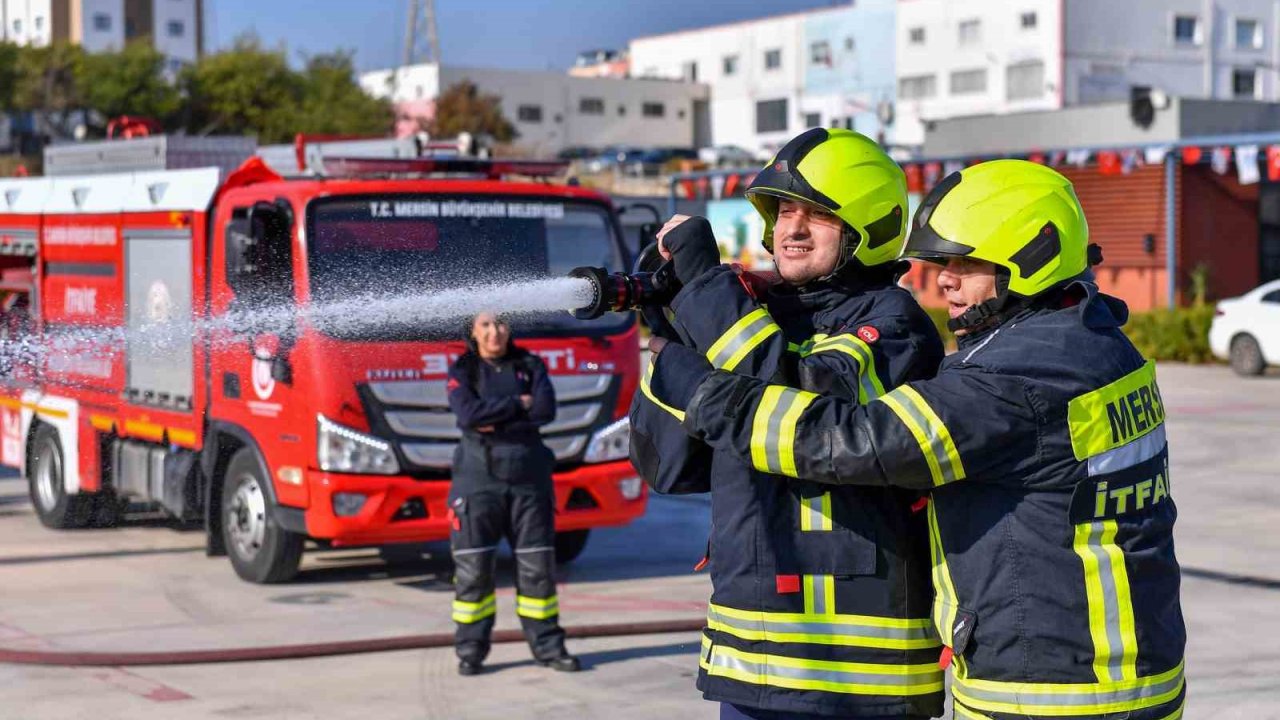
column 821, row 595
column 1041, row 442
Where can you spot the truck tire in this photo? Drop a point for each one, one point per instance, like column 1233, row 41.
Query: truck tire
column 46, row 476
column 570, row 544
column 260, row 550
column 1246, row 356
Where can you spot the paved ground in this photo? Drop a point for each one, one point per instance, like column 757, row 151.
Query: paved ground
column 149, row 587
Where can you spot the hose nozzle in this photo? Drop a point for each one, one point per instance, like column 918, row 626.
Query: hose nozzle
column 616, row 292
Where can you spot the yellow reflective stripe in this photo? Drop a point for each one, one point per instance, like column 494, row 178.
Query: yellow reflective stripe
column 773, row 429
column 1115, row 414
column 967, row 714
column 945, row 602
column 470, row 612
column 930, row 432
column 830, row 629
column 823, row 675
column 760, row 427
column 1069, row 699
column 644, row 388
column 869, row 385
column 1177, row 714
column 537, row 608
column 1111, row 623
column 815, row 513
column 741, row 338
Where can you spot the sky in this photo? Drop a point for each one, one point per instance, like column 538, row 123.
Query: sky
column 519, row 34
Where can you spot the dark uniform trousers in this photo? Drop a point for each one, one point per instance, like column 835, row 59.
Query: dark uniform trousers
column 483, row 514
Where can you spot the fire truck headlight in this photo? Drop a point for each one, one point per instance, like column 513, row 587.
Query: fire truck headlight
column 611, row 442
column 343, row 449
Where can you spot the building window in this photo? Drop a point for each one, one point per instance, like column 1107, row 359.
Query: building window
column 529, row 113
column 653, row 109
column 1244, row 83
column 622, row 110
column 17, row 27
column 38, row 22
column 730, row 65
column 970, row 32
column 917, row 87
column 680, row 113
column 175, row 28
column 848, row 44
column 916, row 36
column 590, row 106
column 1025, row 80
column 771, row 116
column 690, row 71
column 1028, row 20
column 812, row 120
column 772, row 59
column 1186, row 30
column 102, row 22
column 1248, row 34
column 969, row 82
column 820, row 53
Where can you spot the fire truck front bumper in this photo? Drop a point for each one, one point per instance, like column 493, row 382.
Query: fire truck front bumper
column 348, row 510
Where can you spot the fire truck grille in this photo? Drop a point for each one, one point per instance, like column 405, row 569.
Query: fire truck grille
column 415, row 414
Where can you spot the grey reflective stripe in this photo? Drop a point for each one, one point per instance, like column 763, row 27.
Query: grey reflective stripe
column 866, row 363
column 818, row 585
column 1110, row 599
column 476, row 551
column 813, row 511
column 1129, row 454
column 1084, row 697
column 936, row 445
column 835, row 628
column 740, row 339
column 547, row 548
column 843, row 677
column 774, row 428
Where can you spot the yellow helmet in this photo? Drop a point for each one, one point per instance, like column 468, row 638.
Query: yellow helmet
column 846, row 174
column 1019, row 215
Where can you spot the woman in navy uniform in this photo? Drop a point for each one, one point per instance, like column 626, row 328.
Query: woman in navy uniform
column 502, row 487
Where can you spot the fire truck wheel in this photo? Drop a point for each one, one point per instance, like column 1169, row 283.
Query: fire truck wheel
column 45, row 474
column 570, row 544
column 260, row 550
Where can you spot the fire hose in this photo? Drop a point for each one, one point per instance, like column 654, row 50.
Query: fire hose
column 78, row 658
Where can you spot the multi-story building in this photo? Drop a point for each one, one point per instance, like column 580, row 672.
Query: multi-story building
column 773, row 77
column 968, row 57
column 552, row 111
column 173, row 26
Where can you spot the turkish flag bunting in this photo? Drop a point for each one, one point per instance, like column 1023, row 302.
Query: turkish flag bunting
column 932, row 173
column 915, row 181
column 730, row 184
column 1273, row 163
column 1191, row 155
column 1036, row 158
column 687, row 186
column 1109, row 163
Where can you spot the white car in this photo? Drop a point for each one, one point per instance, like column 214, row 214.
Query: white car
column 1246, row 330
column 729, row 156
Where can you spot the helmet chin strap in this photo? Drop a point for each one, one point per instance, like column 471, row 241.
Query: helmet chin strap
column 992, row 311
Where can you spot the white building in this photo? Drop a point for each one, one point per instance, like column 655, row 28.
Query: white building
column 552, row 111
column 975, row 57
column 774, row 77
column 174, row 27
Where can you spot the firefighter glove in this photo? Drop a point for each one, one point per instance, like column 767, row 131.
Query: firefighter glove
column 693, row 248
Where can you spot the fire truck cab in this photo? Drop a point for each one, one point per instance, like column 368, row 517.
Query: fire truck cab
column 200, row 342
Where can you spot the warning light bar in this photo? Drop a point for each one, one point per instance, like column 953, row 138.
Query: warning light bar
column 492, row 169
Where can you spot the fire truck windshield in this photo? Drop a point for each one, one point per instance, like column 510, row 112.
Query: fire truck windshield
column 374, row 245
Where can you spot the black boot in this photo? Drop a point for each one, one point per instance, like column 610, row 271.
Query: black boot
column 470, row 667
column 564, row 663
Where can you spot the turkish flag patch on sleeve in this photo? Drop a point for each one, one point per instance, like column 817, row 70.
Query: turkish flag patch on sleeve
column 868, row 333
column 452, row 385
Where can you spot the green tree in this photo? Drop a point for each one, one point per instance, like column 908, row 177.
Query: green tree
column 129, row 82
column 461, row 108
column 47, row 83
column 9, row 73
column 332, row 101
column 245, row 90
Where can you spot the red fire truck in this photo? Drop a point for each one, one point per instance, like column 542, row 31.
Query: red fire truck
column 308, row 426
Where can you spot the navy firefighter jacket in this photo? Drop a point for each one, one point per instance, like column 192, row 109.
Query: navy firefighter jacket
column 1051, row 520
column 821, row 594
column 500, row 438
